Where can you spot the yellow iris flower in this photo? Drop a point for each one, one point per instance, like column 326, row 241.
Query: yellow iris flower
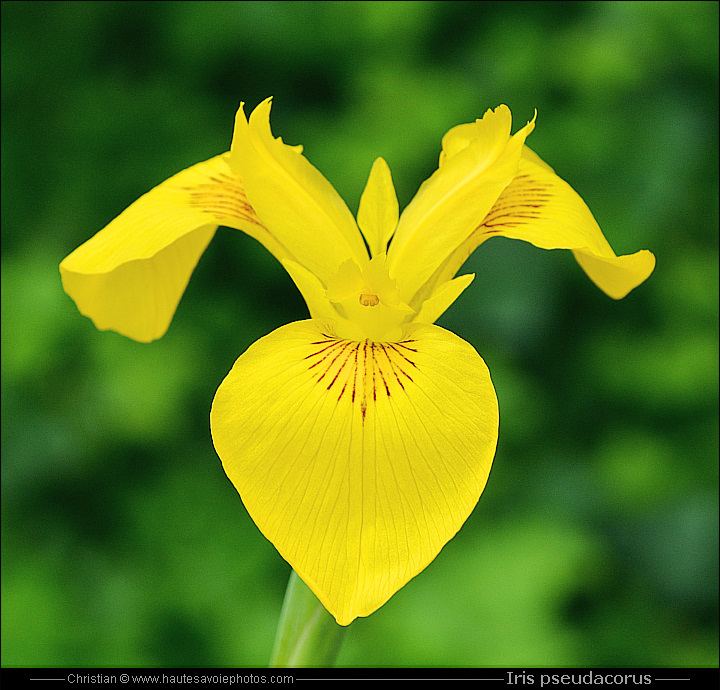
column 360, row 439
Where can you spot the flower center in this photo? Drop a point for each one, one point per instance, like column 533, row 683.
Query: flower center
column 369, row 300
column 354, row 288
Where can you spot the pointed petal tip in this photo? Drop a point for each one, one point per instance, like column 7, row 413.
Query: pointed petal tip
column 261, row 112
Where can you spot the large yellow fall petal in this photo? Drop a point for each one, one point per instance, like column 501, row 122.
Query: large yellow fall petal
column 130, row 276
column 541, row 208
column 357, row 460
column 292, row 198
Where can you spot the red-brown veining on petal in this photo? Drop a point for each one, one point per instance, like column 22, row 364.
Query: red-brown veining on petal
column 339, row 371
column 363, row 402
column 361, row 369
column 374, row 368
column 343, row 362
column 379, row 371
column 327, row 358
column 519, row 204
column 398, row 367
column 355, row 372
column 331, row 353
column 399, row 349
column 404, row 344
column 222, row 196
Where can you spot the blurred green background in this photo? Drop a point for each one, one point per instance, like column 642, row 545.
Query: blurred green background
column 596, row 541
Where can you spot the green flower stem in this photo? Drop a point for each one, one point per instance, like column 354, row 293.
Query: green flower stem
column 307, row 634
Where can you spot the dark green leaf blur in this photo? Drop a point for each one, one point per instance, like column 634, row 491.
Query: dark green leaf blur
column 596, row 540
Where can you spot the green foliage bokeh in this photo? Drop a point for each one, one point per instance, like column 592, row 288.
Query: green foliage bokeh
column 595, row 543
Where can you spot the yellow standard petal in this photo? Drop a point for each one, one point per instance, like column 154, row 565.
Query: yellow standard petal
column 130, row 276
column 379, row 210
column 357, row 460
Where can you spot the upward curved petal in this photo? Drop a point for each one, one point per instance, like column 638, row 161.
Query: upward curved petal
column 478, row 161
column 131, row 275
column 292, row 198
column 357, row 460
column 541, row 208
column 378, row 211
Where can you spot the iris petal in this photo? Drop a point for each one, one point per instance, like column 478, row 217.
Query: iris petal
column 378, row 211
column 479, row 160
column 443, row 296
column 357, row 460
column 130, row 276
column 541, row 208
column 292, row 197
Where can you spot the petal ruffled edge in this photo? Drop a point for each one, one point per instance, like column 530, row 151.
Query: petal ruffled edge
column 478, row 162
column 291, row 197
